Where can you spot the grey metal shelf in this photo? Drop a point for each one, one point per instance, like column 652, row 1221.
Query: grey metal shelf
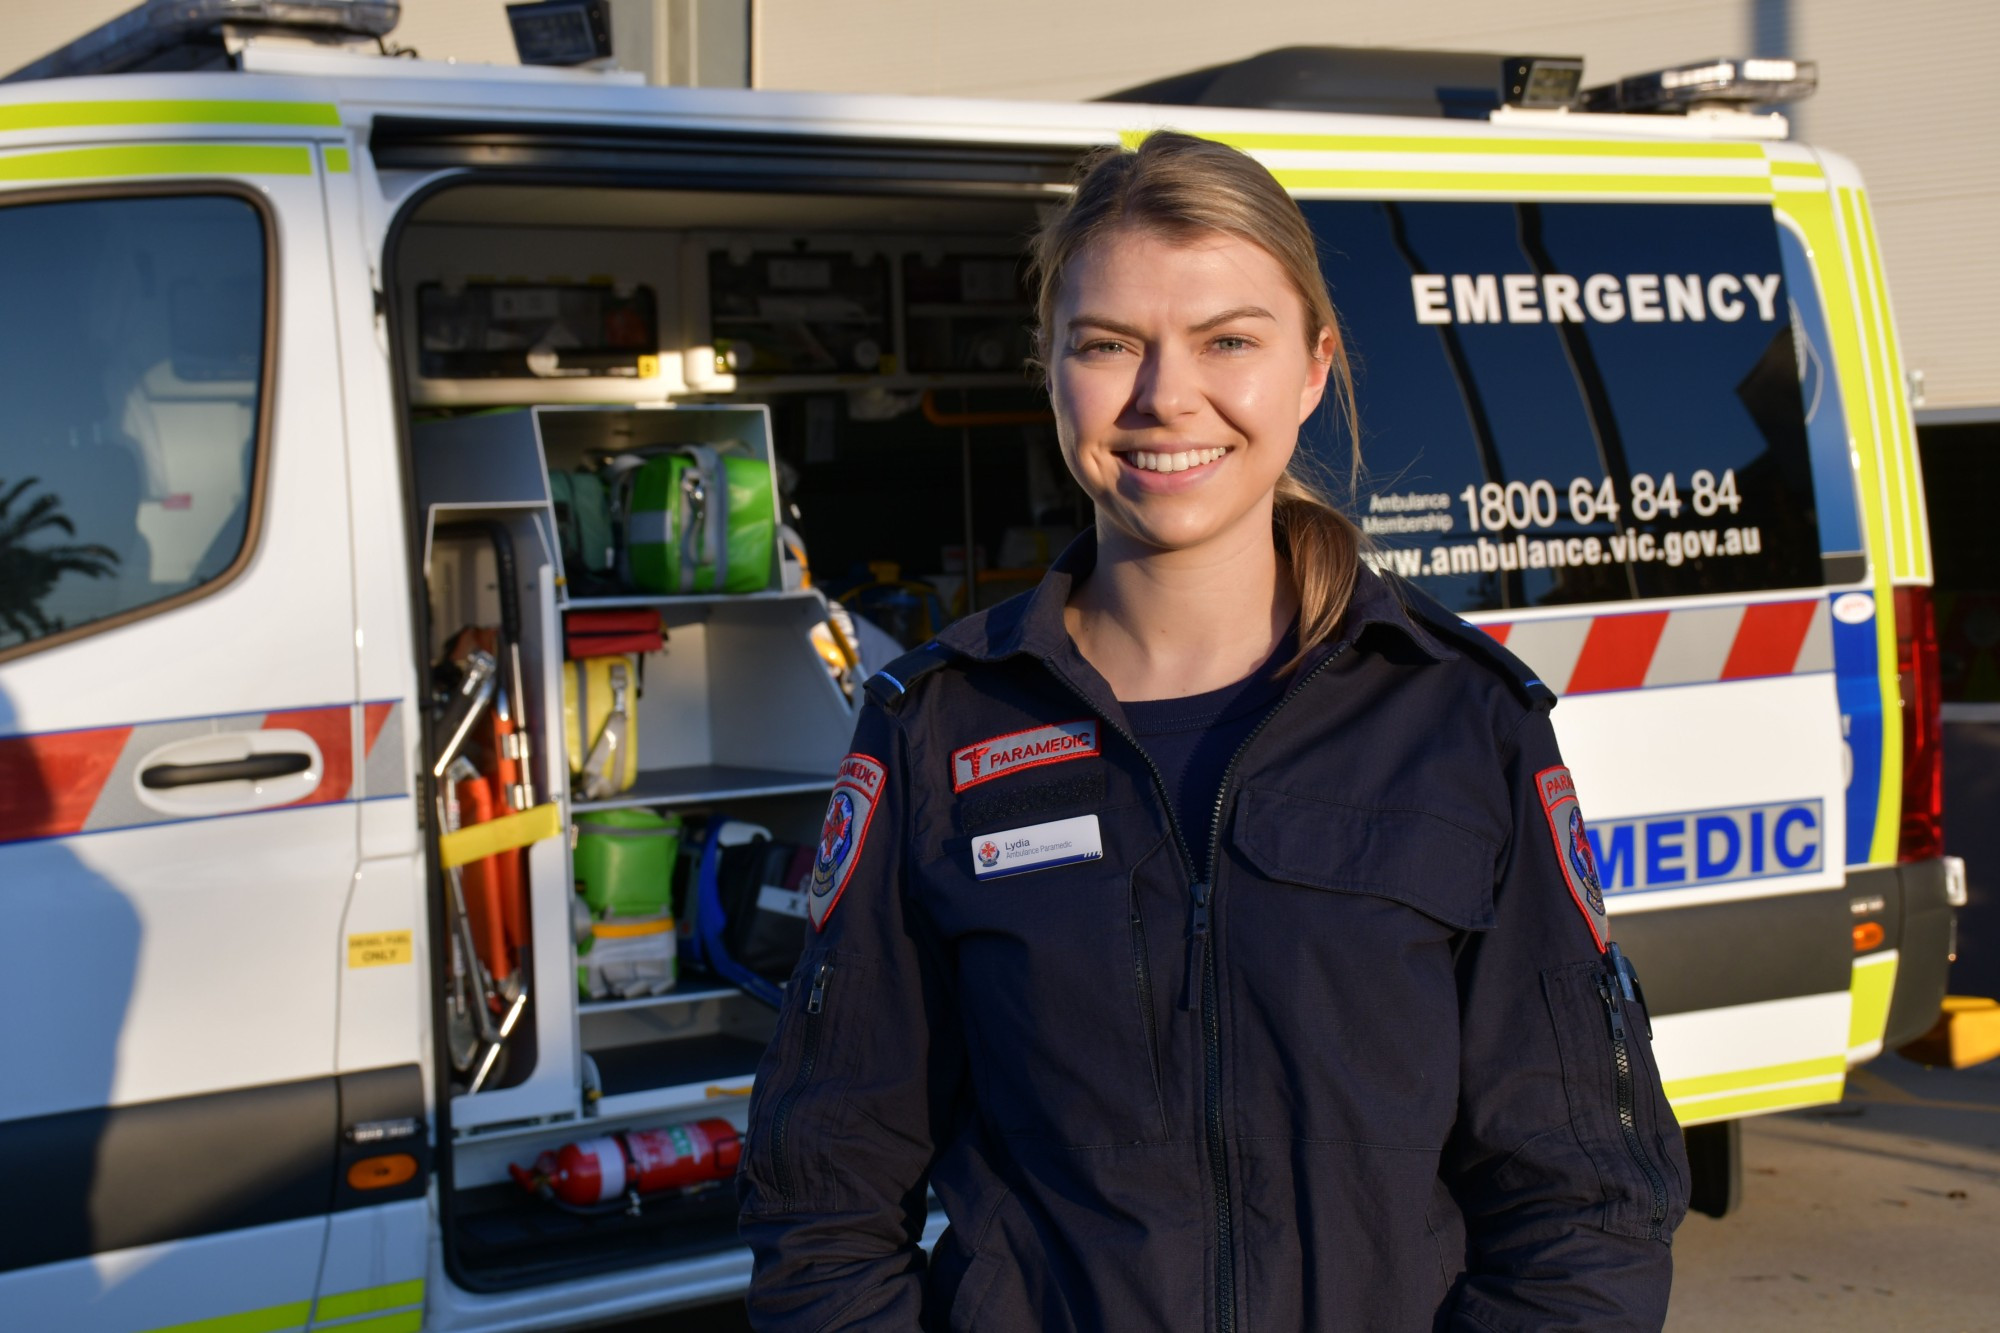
column 701, row 784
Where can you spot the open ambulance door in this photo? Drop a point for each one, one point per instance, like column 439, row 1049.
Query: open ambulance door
column 183, row 746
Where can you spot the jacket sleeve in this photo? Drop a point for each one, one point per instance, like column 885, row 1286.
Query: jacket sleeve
column 852, row 1093
column 1566, row 1160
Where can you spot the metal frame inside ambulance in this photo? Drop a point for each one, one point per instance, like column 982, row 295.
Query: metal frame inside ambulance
column 594, row 158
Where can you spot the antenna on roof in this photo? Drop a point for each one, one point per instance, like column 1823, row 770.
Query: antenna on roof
column 164, row 35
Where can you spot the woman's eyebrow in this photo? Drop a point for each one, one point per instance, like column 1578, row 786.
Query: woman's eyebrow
column 1212, row 322
column 1238, row 312
column 1100, row 322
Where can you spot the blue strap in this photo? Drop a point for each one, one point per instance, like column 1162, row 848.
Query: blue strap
column 710, row 921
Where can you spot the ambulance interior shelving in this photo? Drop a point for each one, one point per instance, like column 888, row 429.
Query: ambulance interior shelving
column 869, row 349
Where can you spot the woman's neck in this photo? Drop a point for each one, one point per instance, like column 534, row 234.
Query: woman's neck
column 1166, row 624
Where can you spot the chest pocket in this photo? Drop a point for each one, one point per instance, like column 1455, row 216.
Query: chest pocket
column 1053, row 990
column 1410, row 857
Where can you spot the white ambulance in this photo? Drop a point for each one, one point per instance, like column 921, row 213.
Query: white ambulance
column 283, row 319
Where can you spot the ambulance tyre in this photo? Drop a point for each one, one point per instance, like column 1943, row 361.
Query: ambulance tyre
column 1715, row 1167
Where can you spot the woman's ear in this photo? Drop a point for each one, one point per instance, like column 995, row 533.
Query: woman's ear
column 1317, row 370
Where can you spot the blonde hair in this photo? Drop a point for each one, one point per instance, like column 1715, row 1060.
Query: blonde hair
column 1178, row 187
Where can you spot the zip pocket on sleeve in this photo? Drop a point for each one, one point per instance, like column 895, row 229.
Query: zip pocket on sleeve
column 783, row 1174
column 800, row 1099
column 1615, row 1105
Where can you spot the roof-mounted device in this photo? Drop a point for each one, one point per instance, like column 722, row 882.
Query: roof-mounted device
column 561, row 32
column 1733, row 84
column 1372, row 81
column 208, row 34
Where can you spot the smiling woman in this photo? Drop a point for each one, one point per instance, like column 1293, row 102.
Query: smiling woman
column 1222, row 946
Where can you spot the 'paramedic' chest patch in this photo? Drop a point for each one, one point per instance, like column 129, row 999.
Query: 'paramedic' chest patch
column 1574, row 853
column 1060, row 842
column 1019, row 750
column 856, row 793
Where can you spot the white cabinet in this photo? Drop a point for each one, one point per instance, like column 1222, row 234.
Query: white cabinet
column 738, row 715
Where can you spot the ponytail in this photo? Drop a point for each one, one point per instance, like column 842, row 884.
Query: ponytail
column 1324, row 550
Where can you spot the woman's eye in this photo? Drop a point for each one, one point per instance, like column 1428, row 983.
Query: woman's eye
column 1233, row 342
column 1100, row 346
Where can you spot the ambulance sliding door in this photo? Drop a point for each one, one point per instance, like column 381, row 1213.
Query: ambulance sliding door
column 182, row 745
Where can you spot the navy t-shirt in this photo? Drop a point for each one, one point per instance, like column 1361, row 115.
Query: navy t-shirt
column 1192, row 739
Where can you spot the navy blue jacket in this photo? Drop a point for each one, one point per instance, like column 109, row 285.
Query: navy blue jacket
column 1369, row 1069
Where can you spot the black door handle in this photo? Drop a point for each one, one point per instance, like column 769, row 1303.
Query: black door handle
column 163, row 776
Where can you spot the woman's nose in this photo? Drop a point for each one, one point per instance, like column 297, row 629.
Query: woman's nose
column 1165, row 387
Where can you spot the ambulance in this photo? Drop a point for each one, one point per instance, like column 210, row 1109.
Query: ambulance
column 286, row 318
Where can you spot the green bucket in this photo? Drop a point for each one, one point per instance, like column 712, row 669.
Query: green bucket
column 625, row 861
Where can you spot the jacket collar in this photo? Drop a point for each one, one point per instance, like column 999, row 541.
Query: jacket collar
column 1032, row 624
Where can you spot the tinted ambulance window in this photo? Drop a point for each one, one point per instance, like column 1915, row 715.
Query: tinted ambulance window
column 1568, row 403
column 131, row 361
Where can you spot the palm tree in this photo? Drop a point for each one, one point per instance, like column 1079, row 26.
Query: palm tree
column 28, row 574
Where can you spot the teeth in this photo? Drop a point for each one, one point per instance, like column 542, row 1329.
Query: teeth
column 1177, row 462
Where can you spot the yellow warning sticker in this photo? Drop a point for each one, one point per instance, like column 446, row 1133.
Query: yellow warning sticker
column 649, row 367
column 380, row 949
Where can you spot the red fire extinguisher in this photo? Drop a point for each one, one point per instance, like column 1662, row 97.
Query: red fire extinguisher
column 605, row 1172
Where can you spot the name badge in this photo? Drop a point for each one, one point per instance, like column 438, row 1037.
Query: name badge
column 1060, row 842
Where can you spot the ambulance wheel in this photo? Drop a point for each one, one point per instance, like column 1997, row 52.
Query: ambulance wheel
column 1715, row 1163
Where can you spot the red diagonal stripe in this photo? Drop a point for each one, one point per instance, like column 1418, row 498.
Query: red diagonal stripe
column 1498, row 633
column 372, row 718
column 332, row 729
column 48, row 784
column 1617, row 652
column 1769, row 639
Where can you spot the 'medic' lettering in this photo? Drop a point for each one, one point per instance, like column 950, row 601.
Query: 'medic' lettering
column 1709, row 846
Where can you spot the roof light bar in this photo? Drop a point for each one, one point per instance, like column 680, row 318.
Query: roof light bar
column 1733, row 83
column 188, row 34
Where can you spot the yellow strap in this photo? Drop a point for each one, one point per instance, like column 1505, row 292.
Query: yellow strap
column 504, row 834
column 625, row 930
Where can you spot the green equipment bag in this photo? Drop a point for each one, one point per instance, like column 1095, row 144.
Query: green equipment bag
column 625, row 861
column 699, row 521
column 582, row 502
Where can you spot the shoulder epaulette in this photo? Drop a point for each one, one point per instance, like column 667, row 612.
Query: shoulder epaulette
column 1477, row 644
column 889, row 686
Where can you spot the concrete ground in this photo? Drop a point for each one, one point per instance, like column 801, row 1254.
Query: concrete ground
column 1879, row 1215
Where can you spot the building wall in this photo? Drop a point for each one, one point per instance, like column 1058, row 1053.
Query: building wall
column 1907, row 90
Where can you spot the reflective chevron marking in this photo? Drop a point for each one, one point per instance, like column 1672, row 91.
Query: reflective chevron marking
column 1637, row 650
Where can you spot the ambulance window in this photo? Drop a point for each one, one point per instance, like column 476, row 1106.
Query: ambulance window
column 1566, row 403
column 131, row 364
column 1826, row 423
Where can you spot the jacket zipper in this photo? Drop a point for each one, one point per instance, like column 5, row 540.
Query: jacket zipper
column 1142, row 976
column 781, row 1122
column 1611, row 984
column 1201, row 891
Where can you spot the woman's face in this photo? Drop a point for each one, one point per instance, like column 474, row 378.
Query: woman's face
column 1180, row 375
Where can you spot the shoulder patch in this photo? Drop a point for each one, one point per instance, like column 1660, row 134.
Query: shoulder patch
column 1557, row 792
column 849, row 811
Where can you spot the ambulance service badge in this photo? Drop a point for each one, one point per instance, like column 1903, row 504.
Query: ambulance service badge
column 856, row 793
column 1574, row 854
